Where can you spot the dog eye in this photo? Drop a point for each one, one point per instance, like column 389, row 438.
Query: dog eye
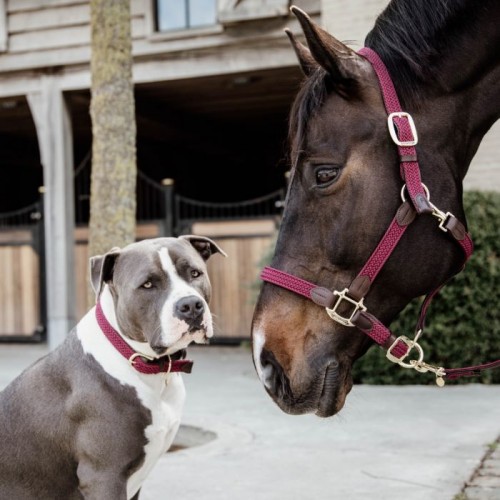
column 326, row 175
column 195, row 273
column 147, row 284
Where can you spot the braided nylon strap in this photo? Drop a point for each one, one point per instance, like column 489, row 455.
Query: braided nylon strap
column 159, row 365
column 383, row 251
column 467, row 245
column 381, row 335
column 285, row 280
column 378, row 332
column 410, row 170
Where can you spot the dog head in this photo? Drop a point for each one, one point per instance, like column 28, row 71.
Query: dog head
column 159, row 290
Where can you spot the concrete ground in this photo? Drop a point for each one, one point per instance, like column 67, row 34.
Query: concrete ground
column 388, row 443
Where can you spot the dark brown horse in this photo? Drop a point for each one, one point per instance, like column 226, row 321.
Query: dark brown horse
column 345, row 186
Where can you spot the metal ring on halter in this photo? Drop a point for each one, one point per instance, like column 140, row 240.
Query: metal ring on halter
column 427, row 195
column 436, row 212
column 410, row 344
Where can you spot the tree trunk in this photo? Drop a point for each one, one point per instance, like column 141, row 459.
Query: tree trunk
column 112, row 110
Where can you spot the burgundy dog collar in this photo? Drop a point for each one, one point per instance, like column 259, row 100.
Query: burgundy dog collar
column 141, row 362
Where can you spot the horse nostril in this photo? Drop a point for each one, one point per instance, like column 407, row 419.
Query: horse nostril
column 273, row 375
column 189, row 308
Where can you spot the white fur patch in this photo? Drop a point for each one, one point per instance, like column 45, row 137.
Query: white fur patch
column 258, row 341
column 174, row 330
column 164, row 400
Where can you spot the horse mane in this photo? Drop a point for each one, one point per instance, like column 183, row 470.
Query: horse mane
column 410, row 36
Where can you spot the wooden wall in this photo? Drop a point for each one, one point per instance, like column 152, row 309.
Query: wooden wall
column 19, row 284
column 46, row 33
column 234, row 279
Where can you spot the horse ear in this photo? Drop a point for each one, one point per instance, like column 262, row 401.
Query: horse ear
column 307, row 62
column 335, row 57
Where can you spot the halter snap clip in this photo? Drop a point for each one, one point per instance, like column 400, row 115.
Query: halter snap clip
column 417, row 364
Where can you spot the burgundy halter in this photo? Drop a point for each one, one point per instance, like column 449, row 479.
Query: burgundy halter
column 404, row 134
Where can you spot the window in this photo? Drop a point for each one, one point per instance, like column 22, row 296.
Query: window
column 185, row 14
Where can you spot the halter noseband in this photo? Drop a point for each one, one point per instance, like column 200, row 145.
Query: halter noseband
column 404, row 134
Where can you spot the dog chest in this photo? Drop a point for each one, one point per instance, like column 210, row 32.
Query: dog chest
column 166, row 412
column 161, row 394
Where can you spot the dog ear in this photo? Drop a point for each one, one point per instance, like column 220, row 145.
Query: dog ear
column 203, row 245
column 101, row 269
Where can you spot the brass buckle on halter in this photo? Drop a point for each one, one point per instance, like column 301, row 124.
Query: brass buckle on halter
column 346, row 321
column 392, row 128
column 417, row 364
column 410, row 344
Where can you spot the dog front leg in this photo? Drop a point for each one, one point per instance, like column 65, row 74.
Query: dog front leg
column 101, row 484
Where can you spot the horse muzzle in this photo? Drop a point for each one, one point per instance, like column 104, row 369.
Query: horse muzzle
column 321, row 389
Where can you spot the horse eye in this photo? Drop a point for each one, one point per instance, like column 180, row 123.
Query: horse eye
column 325, row 176
column 147, row 285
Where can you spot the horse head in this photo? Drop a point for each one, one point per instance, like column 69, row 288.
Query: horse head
column 344, row 189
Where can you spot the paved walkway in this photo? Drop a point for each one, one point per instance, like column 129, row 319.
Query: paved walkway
column 388, row 443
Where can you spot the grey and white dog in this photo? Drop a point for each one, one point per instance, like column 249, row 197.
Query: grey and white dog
column 83, row 422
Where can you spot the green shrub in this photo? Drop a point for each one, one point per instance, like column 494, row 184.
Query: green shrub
column 463, row 321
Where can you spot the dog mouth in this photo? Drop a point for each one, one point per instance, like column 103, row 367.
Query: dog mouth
column 195, row 327
column 192, row 334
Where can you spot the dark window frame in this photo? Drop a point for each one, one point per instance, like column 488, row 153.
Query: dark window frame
column 187, row 18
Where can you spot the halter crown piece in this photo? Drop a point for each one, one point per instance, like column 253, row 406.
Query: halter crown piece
column 404, row 134
column 141, row 362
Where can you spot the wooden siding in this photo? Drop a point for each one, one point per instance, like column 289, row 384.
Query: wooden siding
column 233, row 278
column 46, row 33
column 19, row 286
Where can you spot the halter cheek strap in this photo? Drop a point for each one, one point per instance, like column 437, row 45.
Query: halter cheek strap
column 404, row 134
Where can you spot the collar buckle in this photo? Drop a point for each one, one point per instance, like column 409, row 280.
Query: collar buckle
column 132, row 361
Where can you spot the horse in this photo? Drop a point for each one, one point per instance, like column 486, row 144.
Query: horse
column 380, row 141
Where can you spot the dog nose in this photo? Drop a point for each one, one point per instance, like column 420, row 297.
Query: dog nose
column 189, row 308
